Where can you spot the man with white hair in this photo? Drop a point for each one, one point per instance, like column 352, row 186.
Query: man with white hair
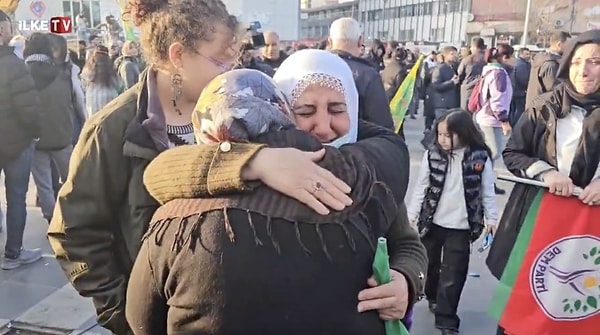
column 345, row 40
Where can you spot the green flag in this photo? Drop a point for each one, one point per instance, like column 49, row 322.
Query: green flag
column 128, row 29
column 381, row 270
column 403, row 97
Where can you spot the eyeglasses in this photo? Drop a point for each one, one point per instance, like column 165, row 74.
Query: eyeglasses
column 222, row 65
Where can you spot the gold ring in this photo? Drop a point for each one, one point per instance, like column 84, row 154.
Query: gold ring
column 316, row 187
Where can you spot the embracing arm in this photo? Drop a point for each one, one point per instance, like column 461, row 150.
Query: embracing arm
column 197, row 170
column 407, row 254
column 519, row 153
column 81, row 231
column 388, row 154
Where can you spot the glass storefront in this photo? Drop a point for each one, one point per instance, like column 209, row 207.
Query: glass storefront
column 89, row 8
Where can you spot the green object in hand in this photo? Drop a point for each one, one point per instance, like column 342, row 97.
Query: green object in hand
column 381, row 270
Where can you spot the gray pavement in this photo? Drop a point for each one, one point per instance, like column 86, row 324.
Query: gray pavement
column 38, row 299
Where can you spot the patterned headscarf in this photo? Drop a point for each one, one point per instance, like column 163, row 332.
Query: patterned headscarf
column 238, row 106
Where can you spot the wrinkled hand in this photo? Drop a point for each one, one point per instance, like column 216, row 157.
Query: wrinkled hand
column 390, row 300
column 295, row 174
column 591, row 194
column 558, row 183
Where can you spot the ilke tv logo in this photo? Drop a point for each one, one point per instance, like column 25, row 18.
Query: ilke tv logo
column 61, row 25
column 57, row 25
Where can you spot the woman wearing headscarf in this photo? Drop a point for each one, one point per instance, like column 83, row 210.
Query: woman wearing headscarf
column 103, row 209
column 306, row 85
column 556, row 141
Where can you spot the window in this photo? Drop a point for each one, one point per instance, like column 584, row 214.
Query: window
column 427, row 8
column 406, row 35
column 454, row 6
column 67, row 9
column 437, row 34
column 89, row 8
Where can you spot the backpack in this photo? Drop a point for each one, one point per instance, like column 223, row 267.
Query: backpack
column 474, row 104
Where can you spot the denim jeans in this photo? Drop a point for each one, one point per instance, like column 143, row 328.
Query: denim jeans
column 494, row 138
column 41, row 169
column 16, row 181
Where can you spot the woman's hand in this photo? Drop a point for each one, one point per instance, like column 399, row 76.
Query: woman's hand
column 506, row 128
column 295, row 174
column 558, row 183
column 390, row 300
column 591, row 194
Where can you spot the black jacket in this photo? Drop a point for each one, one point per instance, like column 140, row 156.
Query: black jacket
column 519, row 77
column 56, row 92
column 444, row 93
column 542, row 79
column 20, row 111
column 256, row 64
column 275, row 64
column 373, row 103
column 392, row 77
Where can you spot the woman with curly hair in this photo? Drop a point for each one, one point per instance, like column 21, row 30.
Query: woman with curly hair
column 103, row 209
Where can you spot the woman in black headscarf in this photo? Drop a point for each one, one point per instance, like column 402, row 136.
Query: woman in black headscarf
column 555, row 141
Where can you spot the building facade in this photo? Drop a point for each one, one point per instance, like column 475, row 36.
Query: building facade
column 306, row 4
column 282, row 16
column 415, row 20
column 502, row 21
column 315, row 22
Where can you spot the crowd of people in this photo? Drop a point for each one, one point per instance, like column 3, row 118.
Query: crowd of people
column 216, row 190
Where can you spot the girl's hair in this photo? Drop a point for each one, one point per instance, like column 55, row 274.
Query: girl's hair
column 164, row 22
column 38, row 43
column 99, row 68
column 498, row 53
column 460, row 123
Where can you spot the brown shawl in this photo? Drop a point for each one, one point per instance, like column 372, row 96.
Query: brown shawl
column 373, row 202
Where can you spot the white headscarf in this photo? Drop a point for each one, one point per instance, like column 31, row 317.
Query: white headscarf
column 18, row 43
column 311, row 66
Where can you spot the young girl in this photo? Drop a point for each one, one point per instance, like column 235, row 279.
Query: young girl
column 454, row 189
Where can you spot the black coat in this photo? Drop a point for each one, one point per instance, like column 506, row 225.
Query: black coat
column 20, row 109
column 373, row 103
column 533, row 140
column 392, row 77
column 444, row 92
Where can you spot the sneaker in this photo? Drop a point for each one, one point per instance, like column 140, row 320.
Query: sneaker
column 498, row 190
column 26, row 257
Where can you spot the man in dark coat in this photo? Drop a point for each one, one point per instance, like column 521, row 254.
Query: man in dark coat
column 346, row 40
column 544, row 67
column 470, row 69
column 20, row 112
column 519, row 77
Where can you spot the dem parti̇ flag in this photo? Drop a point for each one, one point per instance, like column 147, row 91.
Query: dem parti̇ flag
column 556, row 289
column 404, row 94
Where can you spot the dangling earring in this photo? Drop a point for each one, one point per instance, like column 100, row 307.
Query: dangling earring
column 176, row 91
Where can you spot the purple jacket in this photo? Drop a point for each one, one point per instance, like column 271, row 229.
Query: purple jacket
column 496, row 94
